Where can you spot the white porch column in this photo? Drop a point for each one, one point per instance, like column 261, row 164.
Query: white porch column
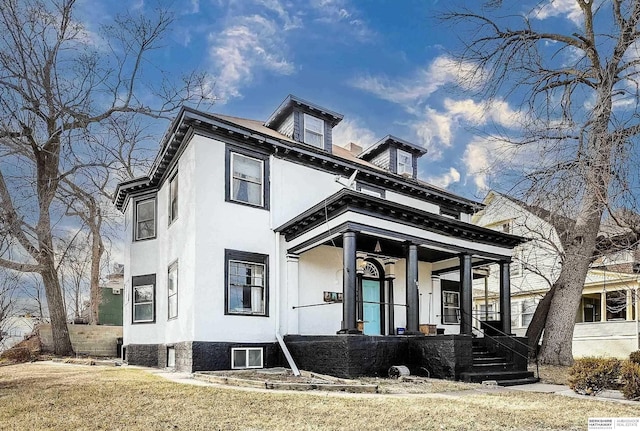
column 603, row 306
column 629, row 304
column 292, row 323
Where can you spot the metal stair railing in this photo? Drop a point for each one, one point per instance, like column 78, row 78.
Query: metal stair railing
column 529, row 349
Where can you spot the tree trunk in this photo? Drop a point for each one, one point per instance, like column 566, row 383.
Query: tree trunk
column 97, row 250
column 561, row 319
column 60, row 332
column 538, row 321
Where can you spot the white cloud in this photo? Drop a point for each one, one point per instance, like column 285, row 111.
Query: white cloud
column 341, row 12
column 252, row 43
column 349, row 130
column 442, row 71
column 446, row 179
column 254, row 37
column 558, row 8
column 289, row 22
column 436, row 129
column 476, row 160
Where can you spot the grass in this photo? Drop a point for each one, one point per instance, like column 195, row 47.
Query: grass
column 41, row 396
column 553, row 374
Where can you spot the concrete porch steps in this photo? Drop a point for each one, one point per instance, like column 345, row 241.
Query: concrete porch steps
column 498, row 376
column 493, row 366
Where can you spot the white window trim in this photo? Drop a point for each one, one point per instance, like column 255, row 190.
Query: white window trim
column 247, row 349
column 152, row 302
column 136, row 221
column 321, row 134
column 264, row 293
column 171, row 357
column 171, row 216
column 232, row 175
column 407, row 169
column 172, row 267
column 450, row 307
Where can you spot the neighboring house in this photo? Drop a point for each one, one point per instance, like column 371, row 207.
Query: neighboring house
column 111, row 302
column 245, row 233
column 611, row 284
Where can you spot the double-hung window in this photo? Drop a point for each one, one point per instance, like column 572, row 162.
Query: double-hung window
column 145, row 219
column 172, row 291
column 247, row 180
column 246, row 283
column 144, row 304
column 173, row 198
column 313, row 131
column 405, row 163
column 450, row 307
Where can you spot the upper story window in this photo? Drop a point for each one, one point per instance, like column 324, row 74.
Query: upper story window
column 313, row 131
column 247, row 180
column 173, row 198
column 405, row 163
column 247, row 283
column 145, row 219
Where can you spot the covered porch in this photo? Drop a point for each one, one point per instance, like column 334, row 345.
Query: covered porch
column 400, row 268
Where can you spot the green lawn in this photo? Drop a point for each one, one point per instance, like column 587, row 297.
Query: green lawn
column 39, row 396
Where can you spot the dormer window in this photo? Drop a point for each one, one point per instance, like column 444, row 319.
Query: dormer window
column 313, row 131
column 405, row 165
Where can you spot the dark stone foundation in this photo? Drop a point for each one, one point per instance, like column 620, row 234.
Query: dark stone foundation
column 351, row 356
column 194, row 356
column 346, row 356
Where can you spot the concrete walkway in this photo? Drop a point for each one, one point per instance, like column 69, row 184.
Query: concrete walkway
column 544, row 388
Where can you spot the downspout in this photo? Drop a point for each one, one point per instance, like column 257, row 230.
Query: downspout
column 283, row 346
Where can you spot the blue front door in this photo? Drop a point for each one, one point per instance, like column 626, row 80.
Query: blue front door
column 371, row 306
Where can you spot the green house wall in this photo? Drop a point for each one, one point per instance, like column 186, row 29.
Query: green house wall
column 110, row 309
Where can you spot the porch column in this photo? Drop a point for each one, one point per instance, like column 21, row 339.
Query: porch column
column 629, row 315
column 505, row 296
column 603, row 306
column 349, row 325
column 466, row 294
column 413, row 309
column 292, row 294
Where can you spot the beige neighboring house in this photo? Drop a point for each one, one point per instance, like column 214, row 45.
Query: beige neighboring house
column 606, row 321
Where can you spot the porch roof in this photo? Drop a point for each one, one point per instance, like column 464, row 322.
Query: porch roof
column 352, row 210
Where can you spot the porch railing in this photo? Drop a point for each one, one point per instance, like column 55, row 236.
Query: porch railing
column 530, row 350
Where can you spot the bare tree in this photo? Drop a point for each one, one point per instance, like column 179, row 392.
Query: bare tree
column 9, row 282
column 580, row 94
column 118, row 154
column 58, row 84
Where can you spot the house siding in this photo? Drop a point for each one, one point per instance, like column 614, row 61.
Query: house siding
column 383, row 160
column 287, row 126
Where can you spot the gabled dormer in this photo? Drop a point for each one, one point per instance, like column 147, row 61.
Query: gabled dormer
column 395, row 155
column 305, row 122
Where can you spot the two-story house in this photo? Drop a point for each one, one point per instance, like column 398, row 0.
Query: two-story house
column 606, row 320
column 261, row 243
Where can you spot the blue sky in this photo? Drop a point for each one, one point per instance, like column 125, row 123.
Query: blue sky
column 384, row 64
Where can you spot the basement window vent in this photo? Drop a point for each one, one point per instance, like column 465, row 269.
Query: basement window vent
column 246, row 357
column 116, row 291
column 171, row 357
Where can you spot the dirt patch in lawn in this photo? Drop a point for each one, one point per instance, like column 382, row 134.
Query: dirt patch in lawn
column 284, row 379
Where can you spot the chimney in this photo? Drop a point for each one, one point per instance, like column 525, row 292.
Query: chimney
column 354, row 148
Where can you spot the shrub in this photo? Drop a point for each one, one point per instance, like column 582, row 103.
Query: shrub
column 635, row 357
column 589, row 376
column 631, row 379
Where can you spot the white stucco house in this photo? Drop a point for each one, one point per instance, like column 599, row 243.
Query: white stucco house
column 261, row 243
column 606, row 320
